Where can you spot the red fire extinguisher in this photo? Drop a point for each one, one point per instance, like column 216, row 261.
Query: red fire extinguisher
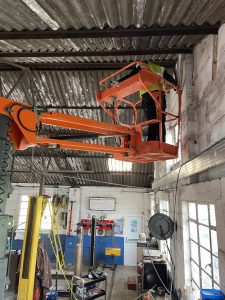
column 37, row 293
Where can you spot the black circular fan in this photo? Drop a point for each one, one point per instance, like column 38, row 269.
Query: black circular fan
column 161, row 226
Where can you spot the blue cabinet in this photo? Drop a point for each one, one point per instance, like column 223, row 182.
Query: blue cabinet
column 70, row 249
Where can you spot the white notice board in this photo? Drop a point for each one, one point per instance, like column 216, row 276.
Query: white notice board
column 102, row 203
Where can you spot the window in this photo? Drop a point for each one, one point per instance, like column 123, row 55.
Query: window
column 172, row 138
column 203, row 246
column 152, row 204
column 45, row 221
column 165, row 245
column 164, row 207
column 119, row 166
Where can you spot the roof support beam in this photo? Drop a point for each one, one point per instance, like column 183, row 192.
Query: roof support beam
column 85, row 172
column 25, row 154
column 77, row 66
column 75, row 107
column 111, row 32
column 150, row 51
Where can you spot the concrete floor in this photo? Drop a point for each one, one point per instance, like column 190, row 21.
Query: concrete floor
column 119, row 288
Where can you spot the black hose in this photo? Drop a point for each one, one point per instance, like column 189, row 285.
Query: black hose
column 19, row 119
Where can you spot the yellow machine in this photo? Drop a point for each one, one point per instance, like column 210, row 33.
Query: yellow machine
column 112, row 251
column 29, row 252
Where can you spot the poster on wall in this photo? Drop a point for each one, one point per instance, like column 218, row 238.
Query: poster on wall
column 102, row 203
column 118, row 227
column 133, row 225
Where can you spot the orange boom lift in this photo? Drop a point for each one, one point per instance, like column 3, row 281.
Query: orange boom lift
column 26, row 122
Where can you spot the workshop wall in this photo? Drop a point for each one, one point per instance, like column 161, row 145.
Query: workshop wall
column 13, row 202
column 128, row 202
column 203, row 124
column 212, row 192
column 13, row 208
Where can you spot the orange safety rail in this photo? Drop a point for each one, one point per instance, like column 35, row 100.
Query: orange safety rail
column 114, row 95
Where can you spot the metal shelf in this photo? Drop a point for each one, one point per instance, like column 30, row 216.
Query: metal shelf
column 102, row 293
column 88, row 282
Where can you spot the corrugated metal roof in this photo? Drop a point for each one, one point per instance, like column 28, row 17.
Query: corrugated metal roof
column 42, row 15
column 86, row 171
column 78, row 88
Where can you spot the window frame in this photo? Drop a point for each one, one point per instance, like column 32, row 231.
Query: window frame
column 164, row 208
column 211, row 228
column 22, row 229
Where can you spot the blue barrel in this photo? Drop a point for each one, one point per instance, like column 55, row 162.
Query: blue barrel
column 53, row 295
column 211, row 294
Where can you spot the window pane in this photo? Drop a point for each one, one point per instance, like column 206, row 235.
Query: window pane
column 206, row 281
column 195, row 287
column 203, row 214
column 216, row 286
column 23, row 211
column 195, row 293
column 204, row 236
column 22, row 219
column 192, row 210
column 195, row 273
column 212, row 215
column 216, row 269
column 24, row 198
column 214, row 242
column 24, row 205
column 193, row 231
column 206, row 260
column 164, row 207
column 194, row 252
column 46, row 219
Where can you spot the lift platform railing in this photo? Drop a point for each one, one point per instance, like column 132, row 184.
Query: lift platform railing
column 116, row 94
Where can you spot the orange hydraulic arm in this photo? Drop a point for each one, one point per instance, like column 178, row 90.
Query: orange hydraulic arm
column 26, row 123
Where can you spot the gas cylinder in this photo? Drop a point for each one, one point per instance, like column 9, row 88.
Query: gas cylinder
column 37, row 293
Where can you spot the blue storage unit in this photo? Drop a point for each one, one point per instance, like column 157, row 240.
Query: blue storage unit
column 70, row 249
column 103, row 242
column 86, row 249
column 18, row 244
column 212, row 294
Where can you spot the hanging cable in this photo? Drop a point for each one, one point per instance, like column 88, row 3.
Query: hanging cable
column 157, row 273
column 56, row 236
column 61, row 268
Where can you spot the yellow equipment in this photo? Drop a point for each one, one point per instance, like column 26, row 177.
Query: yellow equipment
column 29, row 252
column 112, row 251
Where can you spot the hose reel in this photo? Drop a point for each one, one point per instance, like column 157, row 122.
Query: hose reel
column 161, row 226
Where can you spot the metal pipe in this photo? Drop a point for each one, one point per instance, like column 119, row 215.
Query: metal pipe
column 79, row 248
column 167, row 30
column 93, row 238
column 77, row 66
column 149, row 51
